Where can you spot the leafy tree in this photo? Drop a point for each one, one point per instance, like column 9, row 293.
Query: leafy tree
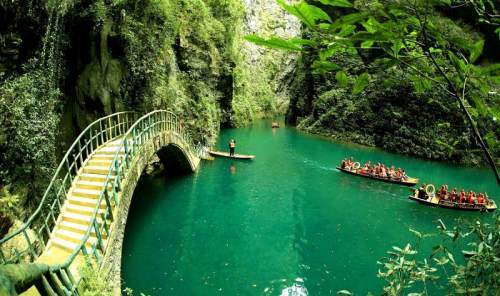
column 409, row 34
column 28, row 125
column 476, row 273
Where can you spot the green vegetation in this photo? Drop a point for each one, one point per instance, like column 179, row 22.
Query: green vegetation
column 92, row 58
column 465, row 263
column 396, row 74
column 404, row 76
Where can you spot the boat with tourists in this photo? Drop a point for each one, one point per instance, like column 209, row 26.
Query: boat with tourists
column 228, row 155
column 377, row 172
column 426, row 194
column 275, row 125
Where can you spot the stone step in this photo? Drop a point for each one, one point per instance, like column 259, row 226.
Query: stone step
column 77, row 218
column 92, row 185
column 81, row 210
column 88, row 193
column 93, row 177
column 103, row 161
column 77, row 228
column 100, row 162
column 66, row 245
column 75, row 237
column 98, row 156
column 85, row 202
column 110, row 150
column 116, row 143
column 98, row 170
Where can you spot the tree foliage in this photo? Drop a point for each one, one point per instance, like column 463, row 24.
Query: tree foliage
column 411, row 35
column 28, row 126
column 466, row 262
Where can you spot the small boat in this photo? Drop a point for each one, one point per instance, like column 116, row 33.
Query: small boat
column 407, row 182
column 275, row 125
column 226, row 154
column 433, row 200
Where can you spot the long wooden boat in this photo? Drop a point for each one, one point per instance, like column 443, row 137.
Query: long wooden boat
column 406, row 182
column 236, row 156
column 433, row 200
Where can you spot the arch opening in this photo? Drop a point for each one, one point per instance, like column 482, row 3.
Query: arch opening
column 174, row 160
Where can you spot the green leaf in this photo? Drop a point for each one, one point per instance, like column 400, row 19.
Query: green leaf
column 396, row 47
column 342, row 78
column 361, row 83
column 321, row 67
column 468, row 253
column 476, row 50
column 349, row 19
column 346, row 30
column 336, row 3
column 459, row 63
column 274, row 42
column 417, row 234
column 367, row 44
column 371, row 25
column 308, row 14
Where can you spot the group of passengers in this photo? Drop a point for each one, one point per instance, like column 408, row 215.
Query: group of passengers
column 454, row 196
column 347, row 164
column 379, row 170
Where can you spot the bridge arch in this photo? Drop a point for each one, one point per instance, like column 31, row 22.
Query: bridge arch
column 84, row 210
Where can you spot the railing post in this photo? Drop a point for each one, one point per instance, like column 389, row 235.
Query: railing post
column 39, row 236
column 119, row 124
column 104, row 223
column 106, row 136
column 75, row 163
column 80, row 152
column 133, row 141
column 98, row 235
column 69, row 172
column 43, row 286
column 91, row 142
column 125, row 158
column 110, row 129
column 54, row 283
column 117, row 176
column 108, row 203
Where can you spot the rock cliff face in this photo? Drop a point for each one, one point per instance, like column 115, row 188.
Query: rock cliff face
column 66, row 63
column 390, row 113
column 269, row 68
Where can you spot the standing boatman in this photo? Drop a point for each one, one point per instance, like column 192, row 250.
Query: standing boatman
column 232, row 145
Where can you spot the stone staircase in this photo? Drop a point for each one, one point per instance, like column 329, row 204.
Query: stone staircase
column 76, row 214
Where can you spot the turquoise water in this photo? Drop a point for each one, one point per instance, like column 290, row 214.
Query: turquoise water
column 253, row 228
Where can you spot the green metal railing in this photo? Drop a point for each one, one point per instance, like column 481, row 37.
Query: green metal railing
column 59, row 280
column 45, row 216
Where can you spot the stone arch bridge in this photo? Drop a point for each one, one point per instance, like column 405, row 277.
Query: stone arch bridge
column 80, row 220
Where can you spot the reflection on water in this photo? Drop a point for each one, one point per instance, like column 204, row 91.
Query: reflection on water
column 232, row 168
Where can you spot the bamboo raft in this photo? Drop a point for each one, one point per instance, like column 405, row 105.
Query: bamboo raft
column 406, row 182
column 433, row 200
column 235, row 156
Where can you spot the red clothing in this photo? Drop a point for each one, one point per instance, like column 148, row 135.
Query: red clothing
column 470, row 199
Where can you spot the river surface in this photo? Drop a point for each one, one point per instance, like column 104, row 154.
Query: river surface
column 255, row 227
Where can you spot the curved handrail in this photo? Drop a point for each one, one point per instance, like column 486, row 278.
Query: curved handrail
column 163, row 117
column 138, row 131
column 65, row 160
